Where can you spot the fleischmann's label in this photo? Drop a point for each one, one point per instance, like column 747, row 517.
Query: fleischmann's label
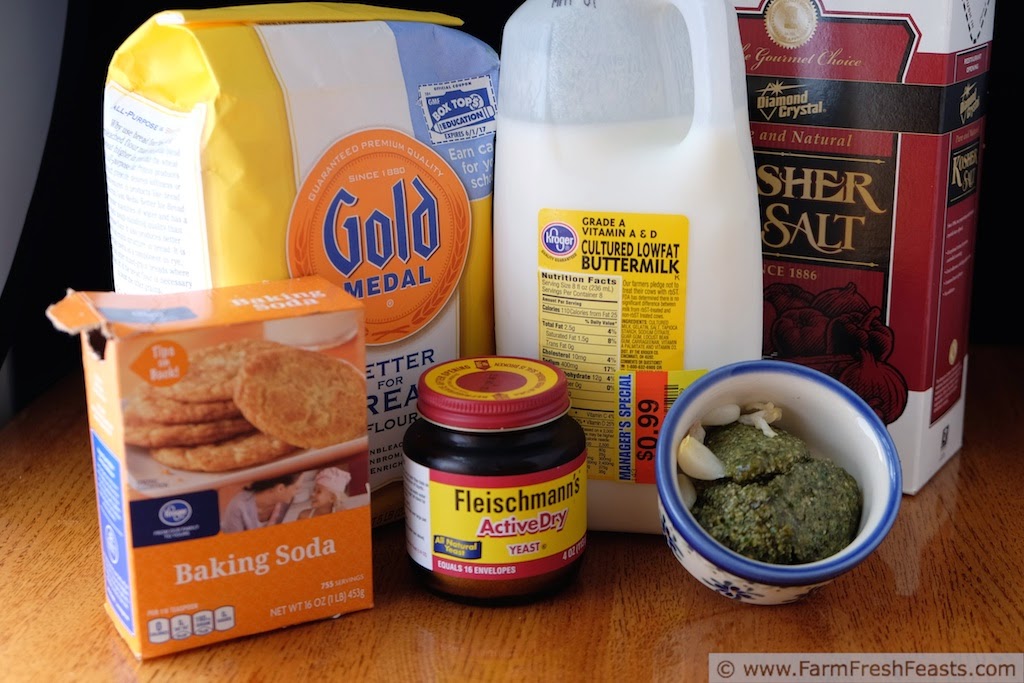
column 612, row 290
column 496, row 528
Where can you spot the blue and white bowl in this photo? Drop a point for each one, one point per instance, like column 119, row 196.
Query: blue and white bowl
column 836, row 424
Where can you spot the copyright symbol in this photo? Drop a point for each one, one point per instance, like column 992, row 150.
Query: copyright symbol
column 725, row 669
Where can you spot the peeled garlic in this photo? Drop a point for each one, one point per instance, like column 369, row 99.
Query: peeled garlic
column 697, row 432
column 696, row 460
column 686, row 490
column 769, row 410
column 722, row 415
column 763, row 415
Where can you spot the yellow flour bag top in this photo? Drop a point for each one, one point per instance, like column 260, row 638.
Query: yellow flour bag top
column 353, row 142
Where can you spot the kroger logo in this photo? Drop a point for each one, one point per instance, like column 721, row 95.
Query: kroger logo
column 559, row 239
column 175, row 512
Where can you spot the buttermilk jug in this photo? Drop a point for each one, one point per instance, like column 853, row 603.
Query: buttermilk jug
column 626, row 223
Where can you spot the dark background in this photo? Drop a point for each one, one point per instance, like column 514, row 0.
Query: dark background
column 65, row 240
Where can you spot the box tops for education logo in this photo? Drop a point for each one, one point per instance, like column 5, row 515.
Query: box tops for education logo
column 459, row 110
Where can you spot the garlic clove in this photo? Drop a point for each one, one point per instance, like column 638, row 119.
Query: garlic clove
column 696, row 460
column 761, row 415
column 758, row 420
column 722, row 415
column 769, row 411
column 686, row 490
column 697, row 432
column 762, row 424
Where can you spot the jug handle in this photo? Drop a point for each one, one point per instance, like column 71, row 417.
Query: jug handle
column 709, row 26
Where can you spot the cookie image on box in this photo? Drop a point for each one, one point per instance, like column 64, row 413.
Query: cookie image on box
column 245, row 403
column 303, row 397
column 212, row 373
column 154, row 435
column 195, row 424
column 255, row 448
column 149, row 405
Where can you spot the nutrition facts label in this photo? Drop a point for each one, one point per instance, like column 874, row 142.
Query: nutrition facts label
column 580, row 330
column 612, row 303
column 580, row 333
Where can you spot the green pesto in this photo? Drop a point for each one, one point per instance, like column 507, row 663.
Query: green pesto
column 797, row 510
column 749, row 454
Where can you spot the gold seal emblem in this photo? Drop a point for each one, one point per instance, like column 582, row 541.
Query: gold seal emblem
column 790, row 23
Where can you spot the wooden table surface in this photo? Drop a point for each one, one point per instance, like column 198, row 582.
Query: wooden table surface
column 949, row 578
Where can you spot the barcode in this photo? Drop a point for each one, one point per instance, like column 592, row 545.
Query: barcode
column 672, row 392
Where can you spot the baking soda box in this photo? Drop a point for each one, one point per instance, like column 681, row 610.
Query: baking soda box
column 867, row 120
column 286, row 139
column 230, row 453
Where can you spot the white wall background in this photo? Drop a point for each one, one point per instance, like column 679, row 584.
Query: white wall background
column 31, row 37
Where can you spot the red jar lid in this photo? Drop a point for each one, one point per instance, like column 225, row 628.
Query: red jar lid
column 489, row 393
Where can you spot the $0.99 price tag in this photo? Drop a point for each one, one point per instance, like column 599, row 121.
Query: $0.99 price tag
column 655, row 392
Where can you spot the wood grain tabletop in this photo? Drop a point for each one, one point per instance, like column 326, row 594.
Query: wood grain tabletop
column 947, row 579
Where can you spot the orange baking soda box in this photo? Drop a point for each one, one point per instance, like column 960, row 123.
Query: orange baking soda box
column 231, row 459
column 287, row 139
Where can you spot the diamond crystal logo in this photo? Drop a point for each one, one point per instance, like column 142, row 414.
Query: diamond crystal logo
column 780, row 101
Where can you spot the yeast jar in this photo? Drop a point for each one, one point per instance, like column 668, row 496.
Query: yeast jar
column 495, row 481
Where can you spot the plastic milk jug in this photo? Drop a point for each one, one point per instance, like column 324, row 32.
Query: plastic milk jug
column 626, row 230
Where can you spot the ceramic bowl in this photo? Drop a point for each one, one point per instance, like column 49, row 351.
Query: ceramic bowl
column 833, row 421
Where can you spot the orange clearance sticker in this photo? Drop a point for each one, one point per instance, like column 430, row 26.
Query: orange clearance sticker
column 161, row 363
column 384, row 216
